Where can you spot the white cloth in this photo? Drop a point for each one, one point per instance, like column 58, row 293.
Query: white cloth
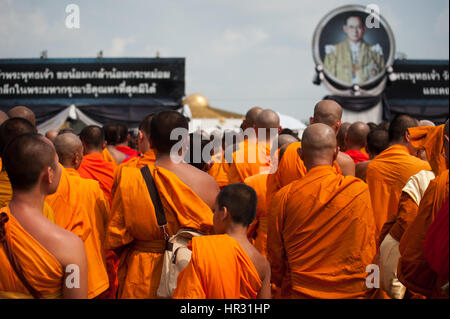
column 389, row 256
column 418, row 184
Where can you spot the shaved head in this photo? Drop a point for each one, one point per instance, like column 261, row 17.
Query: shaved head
column 267, row 119
column 399, row 126
column 162, row 126
column 377, row 142
column 51, row 135
column 341, row 135
column 328, row 112
column 12, row 128
column 122, row 133
column 68, row 146
column 3, row 117
column 26, row 156
column 93, row 138
column 146, row 124
column 111, row 134
column 22, row 112
column 426, row 123
column 318, row 145
column 250, row 117
column 357, row 134
column 286, row 139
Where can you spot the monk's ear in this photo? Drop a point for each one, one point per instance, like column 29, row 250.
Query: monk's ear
column 335, row 154
column 104, row 144
column 407, row 137
column 311, row 121
column 140, row 135
column 279, row 129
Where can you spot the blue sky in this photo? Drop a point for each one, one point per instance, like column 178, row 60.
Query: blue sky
column 238, row 53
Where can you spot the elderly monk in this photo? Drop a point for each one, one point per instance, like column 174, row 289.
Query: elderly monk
column 110, row 154
column 356, row 140
column 226, row 265
column 187, row 195
column 253, row 155
column 90, row 195
column 51, row 135
column 37, row 257
column 10, row 129
column 122, row 143
column 257, row 231
column 413, row 269
column 24, row 113
column 377, row 142
column 321, row 228
column 93, row 165
column 340, row 137
column 388, row 173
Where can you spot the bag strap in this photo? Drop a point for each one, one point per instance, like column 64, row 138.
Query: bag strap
column 156, row 200
column 13, row 260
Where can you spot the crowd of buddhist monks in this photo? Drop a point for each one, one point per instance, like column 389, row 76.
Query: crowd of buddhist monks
column 346, row 210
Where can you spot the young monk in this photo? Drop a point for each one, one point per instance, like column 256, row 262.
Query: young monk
column 226, row 265
column 187, row 195
column 355, row 140
column 90, row 196
column 93, row 165
column 253, row 155
column 37, row 258
column 389, row 171
column 413, row 269
column 321, row 228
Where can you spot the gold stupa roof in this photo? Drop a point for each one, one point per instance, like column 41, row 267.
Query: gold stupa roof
column 201, row 109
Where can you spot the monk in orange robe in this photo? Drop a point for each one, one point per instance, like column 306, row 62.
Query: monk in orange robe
column 236, row 270
column 388, row 173
column 321, row 228
column 93, row 165
column 253, row 154
column 92, row 198
column 110, row 154
column 38, row 259
column 187, row 195
column 356, row 139
column 122, row 144
column 413, row 270
column 377, row 142
column 340, row 137
column 9, row 130
column 257, row 231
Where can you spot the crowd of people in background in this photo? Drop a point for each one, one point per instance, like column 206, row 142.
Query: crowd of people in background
column 346, row 210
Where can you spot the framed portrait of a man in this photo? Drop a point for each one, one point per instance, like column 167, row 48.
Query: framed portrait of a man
column 353, row 46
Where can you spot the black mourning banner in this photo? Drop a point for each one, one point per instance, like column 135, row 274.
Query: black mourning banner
column 107, row 89
column 421, row 89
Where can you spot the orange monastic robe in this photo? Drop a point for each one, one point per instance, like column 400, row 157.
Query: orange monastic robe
column 258, row 229
column 134, row 222
column 212, row 273
column 249, row 159
column 290, row 168
column 321, row 236
column 386, row 176
column 94, row 167
column 413, row 269
column 94, row 201
column 219, row 170
column 40, row 267
column 108, row 157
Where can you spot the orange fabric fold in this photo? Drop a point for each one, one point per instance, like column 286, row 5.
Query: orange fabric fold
column 430, row 138
column 321, row 236
column 258, row 229
column 413, row 269
column 94, row 167
column 386, row 176
column 42, row 270
column 133, row 219
column 220, row 170
column 249, row 159
column 89, row 195
column 219, row 269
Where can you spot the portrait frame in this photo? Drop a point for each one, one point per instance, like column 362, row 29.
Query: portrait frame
column 332, row 17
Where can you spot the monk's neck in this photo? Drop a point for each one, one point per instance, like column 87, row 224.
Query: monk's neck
column 310, row 166
column 124, row 144
column 238, row 232
column 354, row 147
column 31, row 202
column 93, row 151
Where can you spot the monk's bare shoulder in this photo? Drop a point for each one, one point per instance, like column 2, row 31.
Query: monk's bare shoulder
column 360, row 170
column 346, row 164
